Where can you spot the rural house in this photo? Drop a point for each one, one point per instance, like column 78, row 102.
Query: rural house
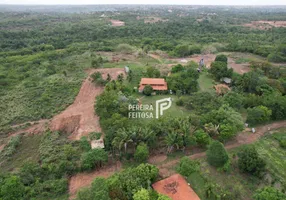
column 158, row 84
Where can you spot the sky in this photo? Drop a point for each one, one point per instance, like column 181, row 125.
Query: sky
column 175, row 2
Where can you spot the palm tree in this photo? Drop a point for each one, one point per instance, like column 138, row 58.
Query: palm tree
column 172, row 141
column 122, row 138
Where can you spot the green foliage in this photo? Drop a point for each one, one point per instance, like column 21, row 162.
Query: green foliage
column 142, row 153
column 184, row 81
column 10, row 148
column 258, row 115
column 148, row 90
column 124, row 48
column 267, row 193
column 12, row 189
column 221, row 58
column 250, row 162
column 84, row 144
column 219, row 70
column 126, row 183
column 234, row 99
column 152, row 72
column 142, row 194
column 177, row 68
column 202, row 138
column 97, row 78
column 94, row 158
column 187, row 166
column 217, row 155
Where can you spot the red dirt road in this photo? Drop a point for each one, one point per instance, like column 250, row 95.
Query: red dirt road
column 79, row 118
column 85, row 179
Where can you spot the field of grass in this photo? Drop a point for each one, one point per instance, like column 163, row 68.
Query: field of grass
column 205, row 82
column 26, row 151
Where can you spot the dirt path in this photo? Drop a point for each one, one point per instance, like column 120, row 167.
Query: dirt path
column 79, row 118
column 166, row 167
column 81, row 180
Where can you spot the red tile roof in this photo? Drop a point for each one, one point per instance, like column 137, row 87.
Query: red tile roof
column 175, row 187
column 156, row 83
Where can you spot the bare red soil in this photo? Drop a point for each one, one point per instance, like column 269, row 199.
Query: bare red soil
column 81, row 180
column 262, row 24
column 79, row 118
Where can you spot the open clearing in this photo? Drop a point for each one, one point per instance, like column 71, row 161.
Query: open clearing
column 117, row 22
column 79, row 119
column 262, row 24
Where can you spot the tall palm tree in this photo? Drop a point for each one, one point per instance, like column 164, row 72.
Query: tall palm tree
column 123, row 137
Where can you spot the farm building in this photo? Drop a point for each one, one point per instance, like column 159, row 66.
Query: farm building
column 158, row 84
column 175, row 187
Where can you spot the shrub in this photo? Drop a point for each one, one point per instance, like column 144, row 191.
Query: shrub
column 219, row 70
column 202, row 138
column 258, row 115
column 221, row 58
column 268, row 193
column 93, row 158
column 84, row 144
column 148, row 90
column 249, row 161
column 124, row 48
column 217, row 155
column 10, row 148
column 141, row 153
column 180, row 102
column 187, row 166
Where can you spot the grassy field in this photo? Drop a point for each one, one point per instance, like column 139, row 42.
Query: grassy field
column 205, row 82
column 26, row 151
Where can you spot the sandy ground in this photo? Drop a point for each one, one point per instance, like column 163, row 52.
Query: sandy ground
column 79, row 118
column 117, row 22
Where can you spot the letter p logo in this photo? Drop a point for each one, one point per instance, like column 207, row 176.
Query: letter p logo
column 161, row 105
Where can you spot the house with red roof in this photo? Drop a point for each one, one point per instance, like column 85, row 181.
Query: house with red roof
column 158, row 84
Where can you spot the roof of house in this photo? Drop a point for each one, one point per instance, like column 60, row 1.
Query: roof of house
column 151, row 81
column 156, row 83
column 175, row 187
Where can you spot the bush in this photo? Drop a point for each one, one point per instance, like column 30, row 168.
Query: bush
column 258, row 115
column 180, row 102
column 124, row 48
column 269, row 193
column 219, row 70
column 148, row 90
column 250, row 162
column 142, row 153
column 202, row 138
column 221, row 58
column 217, row 155
column 93, row 158
column 187, row 166
column 10, row 148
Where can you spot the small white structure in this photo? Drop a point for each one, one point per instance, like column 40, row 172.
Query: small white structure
column 253, row 130
column 97, row 144
column 126, row 68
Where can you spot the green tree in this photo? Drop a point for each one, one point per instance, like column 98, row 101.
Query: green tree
column 219, row 70
column 217, row 155
column 12, row 189
column 177, row 68
column 93, row 158
column 148, row 90
column 221, row 58
column 187, row 166
column 268, row 193
column 258, row 115
column 182, row 50
column 142, row 153
column 152, row 72
column 202, row 138
column 249, row 161
column 234, row 99
column 99, row 189
column 142, row 194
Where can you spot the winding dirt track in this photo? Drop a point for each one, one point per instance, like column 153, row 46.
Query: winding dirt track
column 79, row 118
column 165, row 167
